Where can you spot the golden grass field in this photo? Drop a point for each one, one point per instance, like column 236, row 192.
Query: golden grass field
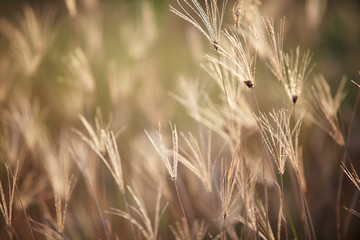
column 179, row 119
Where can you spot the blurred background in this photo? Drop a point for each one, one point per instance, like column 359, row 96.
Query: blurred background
column 59, row 60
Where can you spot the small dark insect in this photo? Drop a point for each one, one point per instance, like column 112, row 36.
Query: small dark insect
column 295, row 98
column 249, row 84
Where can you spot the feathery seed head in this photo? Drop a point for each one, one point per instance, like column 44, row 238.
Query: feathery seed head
column 324, row 107
column 296, row 70
column 30, row 37
column 165, row 153
column 280, row 139
column 210, row 18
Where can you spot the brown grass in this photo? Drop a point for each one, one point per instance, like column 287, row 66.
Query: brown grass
column 251, row 162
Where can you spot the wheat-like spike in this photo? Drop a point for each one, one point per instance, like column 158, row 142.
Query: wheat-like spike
column 104, row 141
column 324, row 107
column 281, row 141
column 236, row 59
column 14, row 177
column 58, row 166
column 274, row 146
column 210, row 19
column 253, row 215
column 269, row 44
column 3, row 205
column 114, row 159
column 296, row 71
column 196, row 162
column 228, row 195
column 164, row 153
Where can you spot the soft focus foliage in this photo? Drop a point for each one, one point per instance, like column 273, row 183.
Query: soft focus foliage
column 181, row 119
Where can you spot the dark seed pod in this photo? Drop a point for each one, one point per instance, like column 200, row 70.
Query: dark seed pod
column 249, row 84
column 295, row 98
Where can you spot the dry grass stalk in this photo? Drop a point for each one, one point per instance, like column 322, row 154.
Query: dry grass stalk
column 357, row 84
column 211, row 18
column 229, row 196
column 252, row 213
column 296, row 71
column 290, row 69
column 58, row 165
column 324, row 107
column 114, row 162
column 241, row 63
column 165, row 153
column 83, row 160
column 217, row 117
column 61, row 205
column 30, row 37
column 26, row 117
column 280, row 139
column 353, row 212
column 146, row 228
column 352, row 174
column 95, row 139
column 46, row 231
column 180, row 230
column 269, row 44
column 302, row 170
column 200, row 229
column 197, row 161
column 149, row 167
column 101, row 140
column 6, row 207
column 273, row 144
column 229, row 114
